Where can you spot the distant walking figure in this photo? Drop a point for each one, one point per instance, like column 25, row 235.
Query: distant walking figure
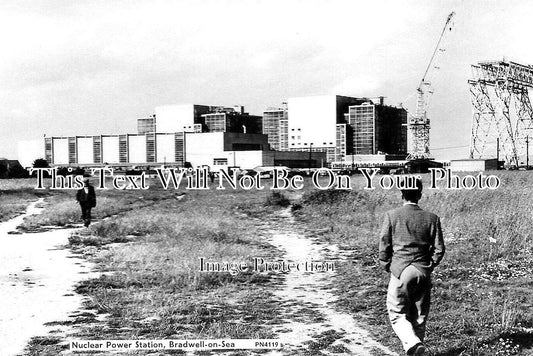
column 410, row 246
column 86, row 197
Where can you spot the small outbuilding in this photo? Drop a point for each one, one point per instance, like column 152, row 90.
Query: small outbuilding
column 473, row 165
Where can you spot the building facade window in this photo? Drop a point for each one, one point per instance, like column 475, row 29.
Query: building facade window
column 179, row 142
column 123, row 148
column 220, row 161
column 216, row 122
column 272, row 127
column 97, row 149
column 362, row 120
column 150, row 148
column 48, row 153
column 146, row 125
column 284, row 134
column 341, row 143
column 72, row 151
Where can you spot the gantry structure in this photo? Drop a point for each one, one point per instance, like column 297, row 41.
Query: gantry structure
column 502, row 110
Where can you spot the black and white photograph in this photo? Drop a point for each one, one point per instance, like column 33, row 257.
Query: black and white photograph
column 266, row 177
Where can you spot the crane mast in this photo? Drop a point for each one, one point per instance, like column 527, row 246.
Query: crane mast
column 419, row 125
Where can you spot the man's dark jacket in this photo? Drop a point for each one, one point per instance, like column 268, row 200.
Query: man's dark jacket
column 410, row 235
column 88, row 199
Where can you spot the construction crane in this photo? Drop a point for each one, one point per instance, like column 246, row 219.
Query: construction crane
column 418, row 125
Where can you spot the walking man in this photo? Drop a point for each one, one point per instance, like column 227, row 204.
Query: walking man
column 410, row 246
column 86, row 197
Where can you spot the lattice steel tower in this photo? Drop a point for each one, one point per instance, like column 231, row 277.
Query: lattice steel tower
column 501, row 109
column 418, row 125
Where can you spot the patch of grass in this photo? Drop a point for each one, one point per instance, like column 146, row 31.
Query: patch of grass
column 63, row 210
column 229, row 311
column 325, row 340
column 45, row 346
column 15, row 195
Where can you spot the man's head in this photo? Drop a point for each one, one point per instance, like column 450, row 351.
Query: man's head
column 413, row 195
column 86, row 182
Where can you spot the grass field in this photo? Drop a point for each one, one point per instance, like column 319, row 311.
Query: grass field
column 15, row 195
column 482, row 296
column 149, row 244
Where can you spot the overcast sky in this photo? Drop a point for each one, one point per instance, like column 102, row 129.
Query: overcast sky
column 91, row 67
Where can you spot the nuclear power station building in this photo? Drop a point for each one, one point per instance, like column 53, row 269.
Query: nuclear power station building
column 214, row 136
column 304, row 132
column 339, row 126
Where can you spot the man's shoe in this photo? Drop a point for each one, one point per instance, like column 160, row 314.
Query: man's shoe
column 420, row 350
column 417, row 350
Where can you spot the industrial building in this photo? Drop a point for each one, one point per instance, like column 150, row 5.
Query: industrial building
column 220, row 150
column 339, row 126
column 126, row 149
column 146, row 125
column 307, row 132
column 313, row 119
column 232, row 120
column 275, row 126
column 378, row 128
column 180, row 118
column 473, row 165
column 214, row 136
column 204, row 118
column 352, row 162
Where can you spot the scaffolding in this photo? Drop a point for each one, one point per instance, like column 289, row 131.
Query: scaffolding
column 501, row 109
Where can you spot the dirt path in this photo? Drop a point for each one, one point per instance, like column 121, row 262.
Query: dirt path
column 36, row 282
column 312, row 324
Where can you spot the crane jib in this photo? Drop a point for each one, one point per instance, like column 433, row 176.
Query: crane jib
column 419, row 126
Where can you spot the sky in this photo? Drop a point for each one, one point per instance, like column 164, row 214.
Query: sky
column 94, row 67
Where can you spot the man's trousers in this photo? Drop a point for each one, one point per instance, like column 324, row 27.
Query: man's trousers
column 408, row 300
column 86, row 214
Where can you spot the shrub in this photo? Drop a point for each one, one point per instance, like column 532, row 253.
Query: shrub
column 277, row 199
column 329, row 196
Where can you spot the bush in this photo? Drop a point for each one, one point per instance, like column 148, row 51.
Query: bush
column 329, row 196
column 277, row 199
